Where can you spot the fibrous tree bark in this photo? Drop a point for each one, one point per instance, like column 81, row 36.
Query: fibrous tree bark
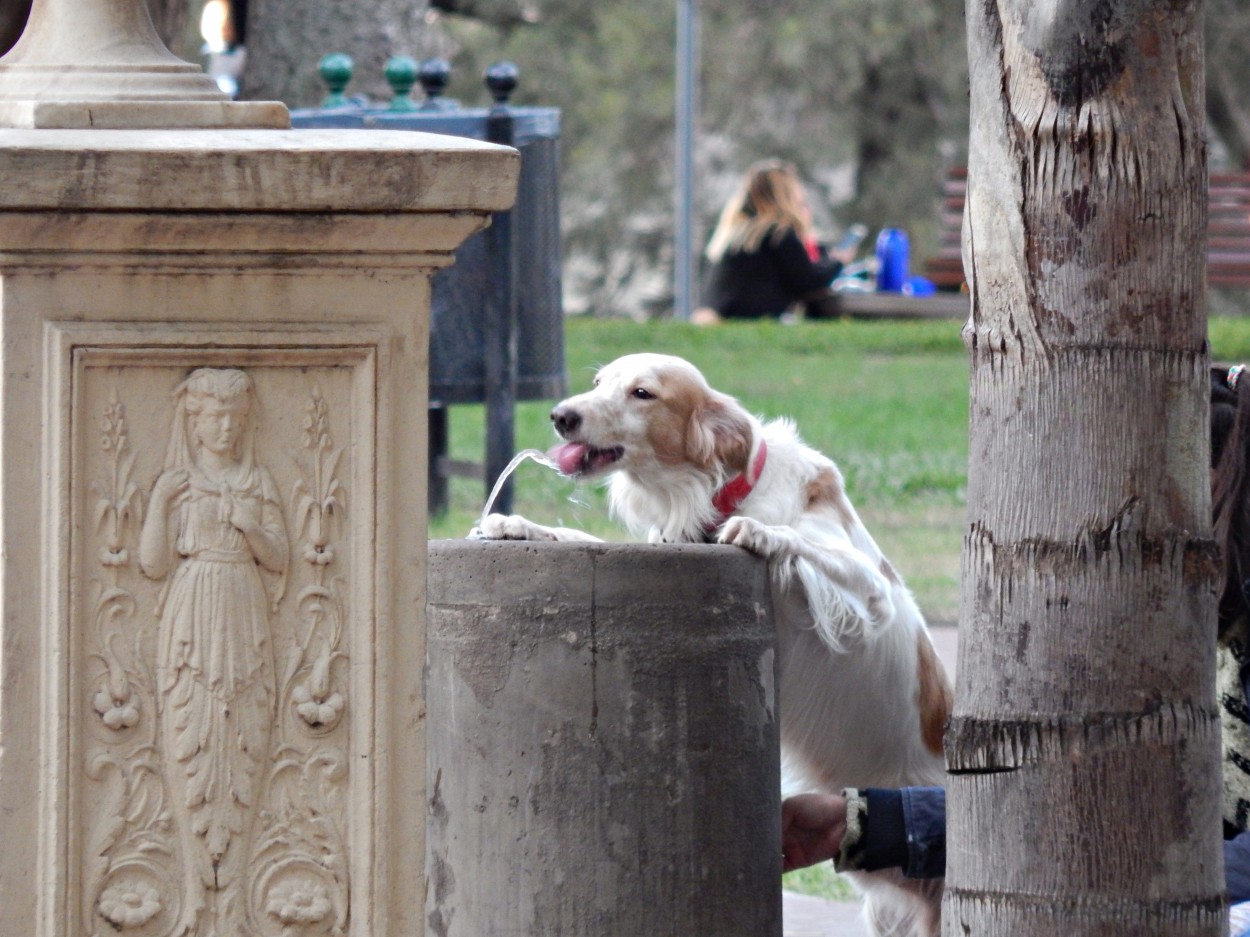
column 1084, row 744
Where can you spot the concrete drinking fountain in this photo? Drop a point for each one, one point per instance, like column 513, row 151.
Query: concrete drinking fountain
column 602, row 740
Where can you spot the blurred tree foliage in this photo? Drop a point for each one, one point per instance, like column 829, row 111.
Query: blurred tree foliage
column 1228, row 81
column 287, row 38
column 868, row 99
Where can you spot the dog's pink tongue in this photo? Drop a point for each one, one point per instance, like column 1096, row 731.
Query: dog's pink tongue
column 568, row 456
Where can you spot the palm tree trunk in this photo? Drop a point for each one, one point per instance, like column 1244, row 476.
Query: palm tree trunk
column 1084, row 743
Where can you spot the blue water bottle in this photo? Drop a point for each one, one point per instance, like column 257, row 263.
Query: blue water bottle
column 893, row 252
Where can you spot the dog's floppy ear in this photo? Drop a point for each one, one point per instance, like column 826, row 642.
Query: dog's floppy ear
column 719, row 433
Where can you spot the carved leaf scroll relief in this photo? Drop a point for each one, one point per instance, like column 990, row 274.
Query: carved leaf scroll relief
column 218, row 791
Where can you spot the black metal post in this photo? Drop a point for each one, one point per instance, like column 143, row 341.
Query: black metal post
column 439, row 499
column 501, row 306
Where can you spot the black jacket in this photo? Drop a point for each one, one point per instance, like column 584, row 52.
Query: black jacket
column 765, row 282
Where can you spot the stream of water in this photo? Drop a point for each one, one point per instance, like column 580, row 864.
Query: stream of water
column 534, row 455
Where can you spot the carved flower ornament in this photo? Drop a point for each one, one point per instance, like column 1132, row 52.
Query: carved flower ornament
column 129, row 904
column 314, row 701
column 317, row 712
column 299, row 902
column 117, row 713
column 114, row 557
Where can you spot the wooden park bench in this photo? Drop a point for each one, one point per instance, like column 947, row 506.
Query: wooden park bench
column 1228, row 232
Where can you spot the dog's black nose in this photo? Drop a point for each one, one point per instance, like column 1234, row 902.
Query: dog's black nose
column 566, row 420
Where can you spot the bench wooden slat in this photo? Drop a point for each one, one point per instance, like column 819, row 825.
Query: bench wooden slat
column 1228, row 231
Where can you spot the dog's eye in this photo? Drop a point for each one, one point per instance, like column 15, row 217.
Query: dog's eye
column 641, row 393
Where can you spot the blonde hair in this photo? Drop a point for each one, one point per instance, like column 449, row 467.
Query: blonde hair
column 770, row 197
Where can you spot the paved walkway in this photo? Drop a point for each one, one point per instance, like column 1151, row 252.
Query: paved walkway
column 946, row 640
column 805, row 916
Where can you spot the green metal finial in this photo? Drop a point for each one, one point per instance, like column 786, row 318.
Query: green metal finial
column 401, row 75
column 336, row 72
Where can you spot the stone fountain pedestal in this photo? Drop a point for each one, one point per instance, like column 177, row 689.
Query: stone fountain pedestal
column 603, row 741
column 213, row 502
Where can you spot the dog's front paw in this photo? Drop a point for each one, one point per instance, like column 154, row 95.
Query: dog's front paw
column 748, row 533
column 513, row 527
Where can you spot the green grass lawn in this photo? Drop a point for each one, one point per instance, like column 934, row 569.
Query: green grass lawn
column 819, row 880
column 887, row 400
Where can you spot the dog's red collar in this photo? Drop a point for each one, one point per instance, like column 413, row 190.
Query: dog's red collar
column 731, row 494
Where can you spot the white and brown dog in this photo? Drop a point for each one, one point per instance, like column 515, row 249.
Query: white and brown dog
column 864, row 697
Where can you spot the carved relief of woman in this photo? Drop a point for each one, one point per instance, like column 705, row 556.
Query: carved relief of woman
column 213, row 522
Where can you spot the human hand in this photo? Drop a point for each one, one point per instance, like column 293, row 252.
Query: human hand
column 170, row 486
column 242, row 513
column 812, row 827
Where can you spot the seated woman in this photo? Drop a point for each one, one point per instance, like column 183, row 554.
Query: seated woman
column 764, row 255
